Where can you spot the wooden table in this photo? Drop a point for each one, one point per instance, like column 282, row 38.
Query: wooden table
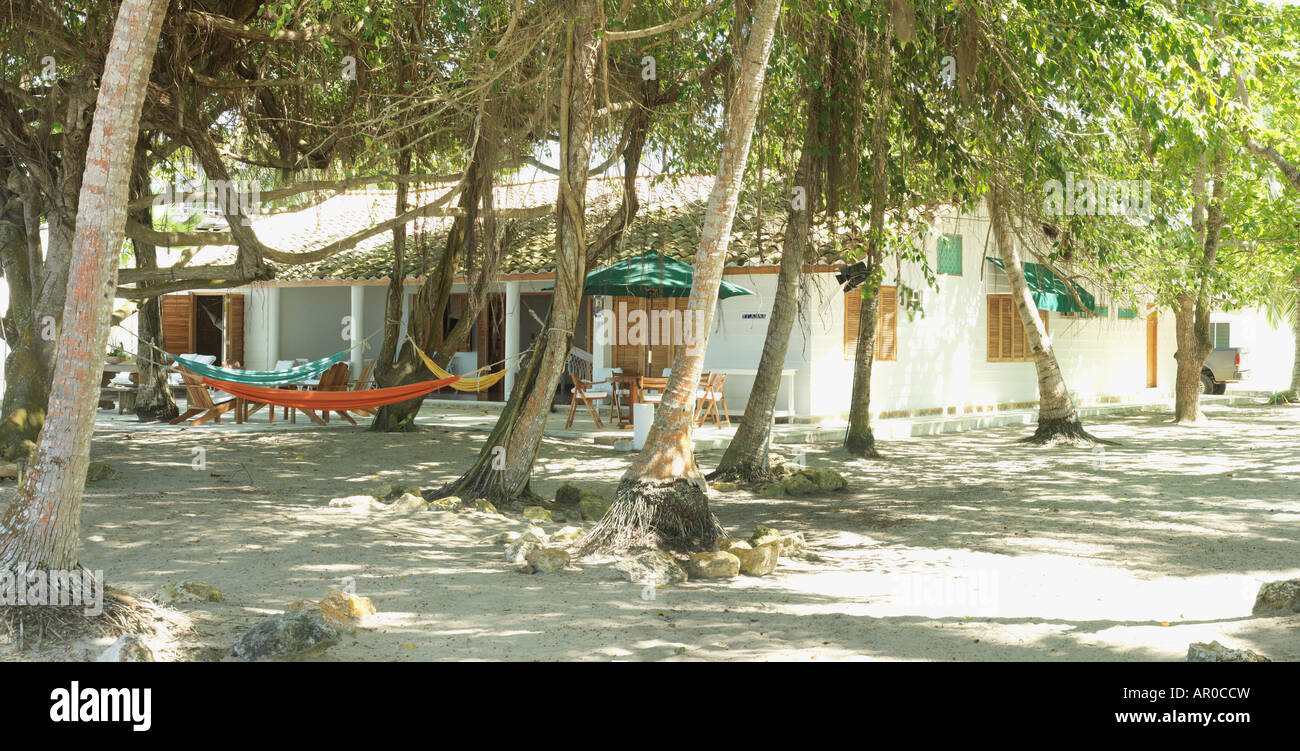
column 633, row 383
column 114, row 395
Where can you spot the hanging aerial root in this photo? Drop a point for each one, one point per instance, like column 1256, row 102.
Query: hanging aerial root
column 1063, row 431
column 665, row 516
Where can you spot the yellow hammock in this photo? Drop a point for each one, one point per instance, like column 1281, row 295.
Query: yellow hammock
column 477, row 383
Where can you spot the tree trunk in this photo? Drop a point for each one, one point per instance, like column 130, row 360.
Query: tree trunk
column 1193, row 347
column 153, row 397
column 1192, row 316
column 746, row 457
column 859, row 440
column 424, row 321
column 504, row 466
column 397, row 280
column 42, row 526
column 662, row 499
column 36, row 303
column 27, row 368
column 1058, row 419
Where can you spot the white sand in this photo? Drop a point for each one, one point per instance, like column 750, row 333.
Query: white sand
column 967, row 547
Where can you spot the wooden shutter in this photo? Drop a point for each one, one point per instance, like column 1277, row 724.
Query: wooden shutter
column 177, row 313
column 234, row 323
column 664, row 354
column 1006, row 333
column 852, row 312
column 887, row 324
column 629, row 357
column 1017, row 329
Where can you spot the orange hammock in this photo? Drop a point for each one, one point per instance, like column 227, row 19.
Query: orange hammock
column 329, row 400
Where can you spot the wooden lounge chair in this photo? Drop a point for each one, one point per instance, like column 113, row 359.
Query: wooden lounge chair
column 585, row 392
column 200, row 402
column 334, row 379
column 362, row 383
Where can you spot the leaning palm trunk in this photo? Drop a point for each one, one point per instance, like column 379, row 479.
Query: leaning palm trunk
column 746, row 457
column 662, row 500
column 504, row 466
column 1058, row 419
column 42, row 527
column 1295, row 329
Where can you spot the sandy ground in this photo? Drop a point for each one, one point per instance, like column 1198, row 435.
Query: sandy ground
column 959, row 547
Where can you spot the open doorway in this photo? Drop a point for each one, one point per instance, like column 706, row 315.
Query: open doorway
column 209, row 333
column 205, row 324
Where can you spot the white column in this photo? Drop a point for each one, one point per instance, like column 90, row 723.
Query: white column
column 272, row 326
column 358, row 327
column 513, row 312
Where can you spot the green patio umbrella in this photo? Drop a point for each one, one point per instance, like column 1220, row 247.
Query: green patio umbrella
column 650, row 275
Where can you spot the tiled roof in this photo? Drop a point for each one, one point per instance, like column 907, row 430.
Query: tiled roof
column 670, row 221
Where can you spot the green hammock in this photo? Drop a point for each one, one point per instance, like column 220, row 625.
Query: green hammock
column 263, row 377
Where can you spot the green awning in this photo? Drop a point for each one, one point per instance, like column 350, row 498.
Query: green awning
column 1052, row 292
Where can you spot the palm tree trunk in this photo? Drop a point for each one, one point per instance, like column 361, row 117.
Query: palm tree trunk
column 1058, row 419
column 746, row 457
column 1295, row 329
column 42, row 526
column 661, row 500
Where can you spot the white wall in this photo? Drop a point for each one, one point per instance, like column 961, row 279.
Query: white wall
column 942, row 357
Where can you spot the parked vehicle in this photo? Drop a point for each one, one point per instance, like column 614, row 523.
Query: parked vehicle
column 1223, row 366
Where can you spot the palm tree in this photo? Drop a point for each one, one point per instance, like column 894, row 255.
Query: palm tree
column 42, row 527
column 661, row 500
